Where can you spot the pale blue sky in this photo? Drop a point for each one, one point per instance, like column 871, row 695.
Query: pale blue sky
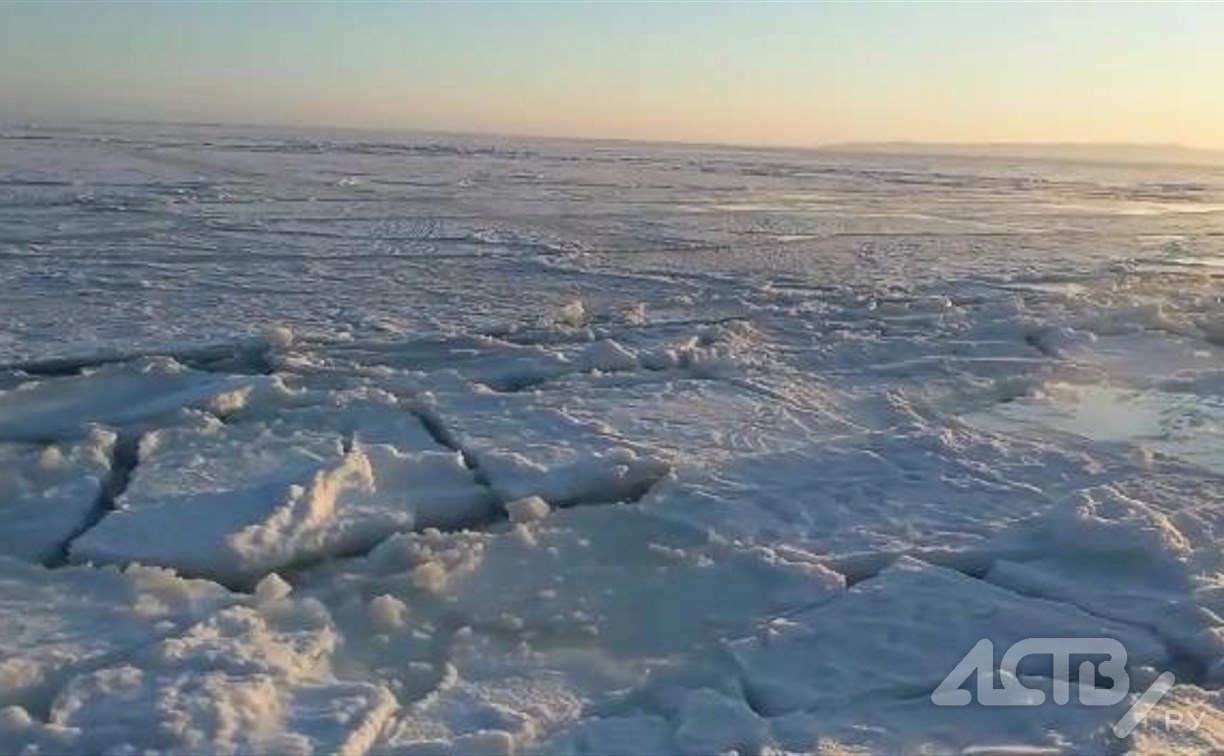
column 783, row 73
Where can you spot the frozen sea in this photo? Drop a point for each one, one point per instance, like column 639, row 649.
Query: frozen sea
column 355, row 442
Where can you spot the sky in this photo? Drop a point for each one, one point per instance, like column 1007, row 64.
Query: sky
column 785, row 73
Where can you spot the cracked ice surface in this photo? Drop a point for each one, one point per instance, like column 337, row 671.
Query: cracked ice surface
column 49, row 493
column 235, row 502
column 398, row 444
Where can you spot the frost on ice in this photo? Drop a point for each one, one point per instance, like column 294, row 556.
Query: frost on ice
column 49, row 493
column 235, row 502
column 439, row 446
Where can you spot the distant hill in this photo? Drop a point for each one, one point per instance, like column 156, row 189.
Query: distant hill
column 1109, row 153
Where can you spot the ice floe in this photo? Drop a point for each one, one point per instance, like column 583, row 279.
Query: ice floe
column 48, row 494
column 531, row 446
column 234, row 502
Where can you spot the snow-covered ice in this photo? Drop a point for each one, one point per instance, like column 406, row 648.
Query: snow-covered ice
column 252, row 679
column 899, row 633
column 59, row 622
column 529, row 444
column 50, row 493
column 353, row 442
column 235, row 502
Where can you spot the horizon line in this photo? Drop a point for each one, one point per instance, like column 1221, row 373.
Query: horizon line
column 844, row 147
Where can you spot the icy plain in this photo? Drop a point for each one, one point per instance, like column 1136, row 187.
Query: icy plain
column 368, row 443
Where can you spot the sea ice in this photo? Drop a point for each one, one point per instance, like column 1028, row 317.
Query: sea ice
column 586, row 603
column 234, row 502
column 56, row 408
column 897, row 635
column 918, row 487
column 248, row 679
column 58, row 623
column 525, row 446
column 48, row 494
column 1151, row 562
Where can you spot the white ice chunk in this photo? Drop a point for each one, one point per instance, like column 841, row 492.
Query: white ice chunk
column 49, row 493
column 111, row 395
column 525, row 447
column 608, row 356
column 552, row 616
column 572, row 314
column 387, row 613
column 435, row 486
column 700, row 423
column 639, row 583
column 494, row 697
column 277, row 336
column 246, row 680
column 482, row 359
column 1151, row 562
column 366, row 415
column 272, row 588
column 56, row 622
column 945, row 488
column 529, row 509
column 236, row 502
column 901, row 632
column 713, row 723
column 1060, row 341
column 21, row 733
column 913, row 724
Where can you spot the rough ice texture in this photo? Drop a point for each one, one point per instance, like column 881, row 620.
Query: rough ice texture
column 527, row 447
column 50, row 493
column 900, row 633
column 527, row 509
column 550, row 618
column 234, row 502
column 99, row 660
column 58, row 622
column 113, row 395
column 530, row 446
column 246, row 680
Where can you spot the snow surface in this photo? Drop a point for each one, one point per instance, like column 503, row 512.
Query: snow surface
column 49, row 494
column 236, row 502
column 369, row 443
